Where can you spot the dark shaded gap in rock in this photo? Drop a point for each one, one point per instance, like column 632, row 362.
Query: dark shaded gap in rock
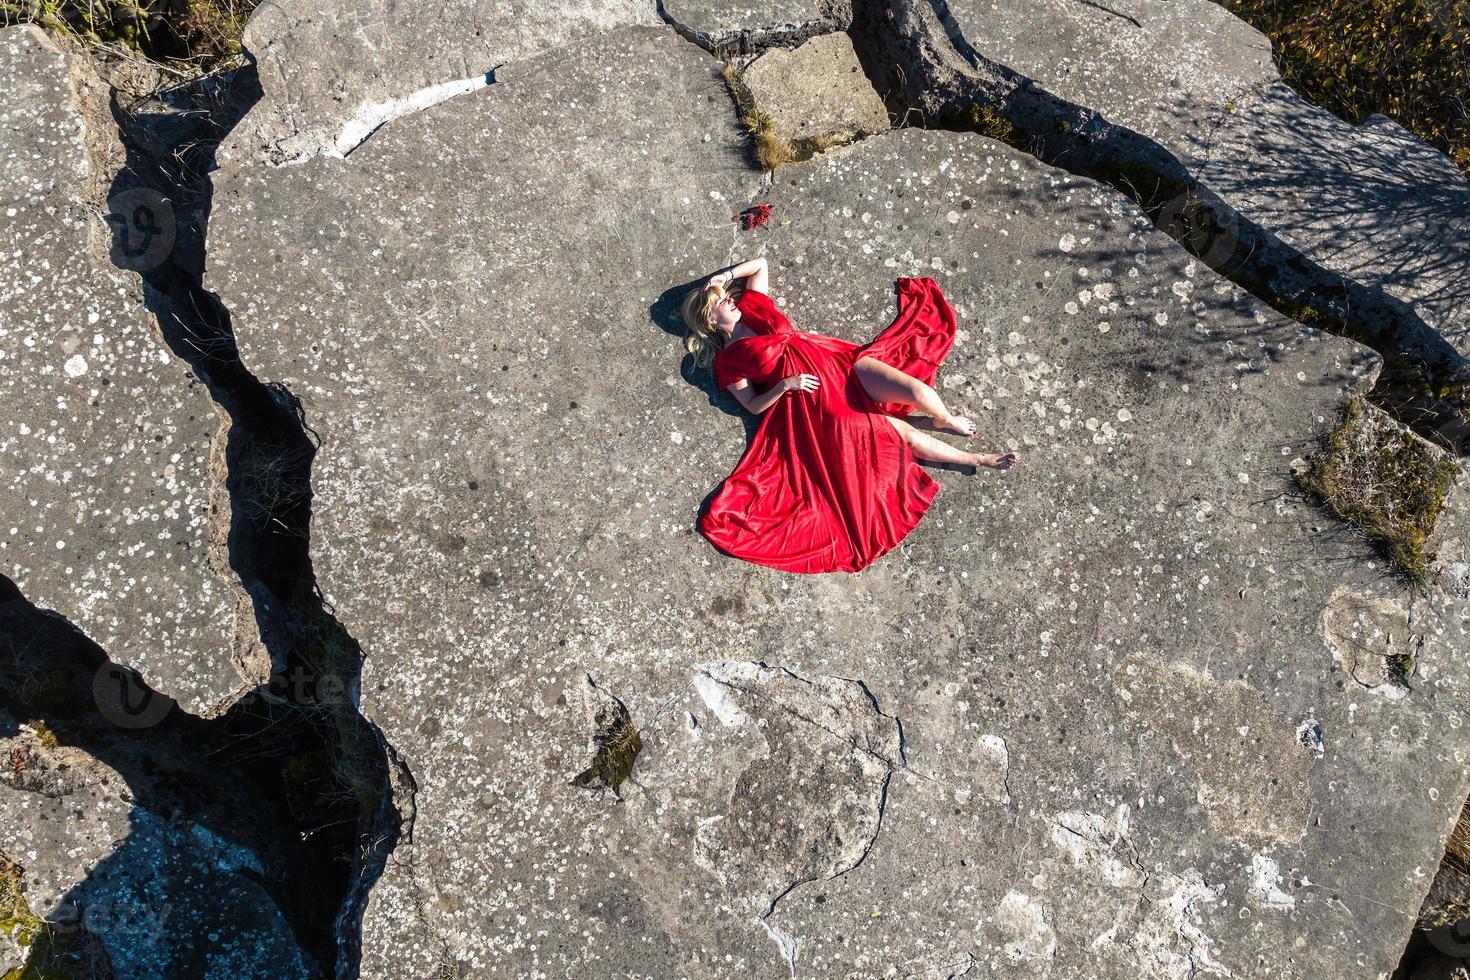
column 734, row 43
column 52, row 673
column 300, row 738
column 1420, row 368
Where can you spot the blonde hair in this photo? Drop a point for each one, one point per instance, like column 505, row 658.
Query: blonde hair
column 703, row 340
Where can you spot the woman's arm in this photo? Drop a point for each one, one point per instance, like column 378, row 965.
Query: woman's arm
column 757, row 268
column 757, row 404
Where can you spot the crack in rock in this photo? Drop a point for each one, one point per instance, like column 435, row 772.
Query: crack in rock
column 727, row 34
column 808, row 810
column 919, row 59
column 1093, row 842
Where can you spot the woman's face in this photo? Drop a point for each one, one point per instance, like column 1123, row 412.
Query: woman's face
column 724, row 315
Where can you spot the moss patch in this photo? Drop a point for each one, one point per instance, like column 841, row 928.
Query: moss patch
column 618, row 744
column 1377, row 477
column 1399, row 667
column 982, row 119
column 46, row 958
column 43, row 734
column 16, row 918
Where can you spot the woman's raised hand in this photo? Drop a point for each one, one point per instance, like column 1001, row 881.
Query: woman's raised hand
column 800, row 382
column 721, row 279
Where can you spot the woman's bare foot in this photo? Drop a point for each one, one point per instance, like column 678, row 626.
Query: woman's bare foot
column 955, row 423
column 1002, row 461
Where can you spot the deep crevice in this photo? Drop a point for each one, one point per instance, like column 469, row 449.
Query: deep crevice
column 325, row 774
column 340, row 774
column 1423, row 380
column 736, row 42
column 174, row 764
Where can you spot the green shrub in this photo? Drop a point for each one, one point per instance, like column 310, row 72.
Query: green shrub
column 1407, row 59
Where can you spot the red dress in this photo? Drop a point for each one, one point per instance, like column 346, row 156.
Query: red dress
column 827, row 484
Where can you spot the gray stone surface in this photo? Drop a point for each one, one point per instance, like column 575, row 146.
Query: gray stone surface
column 754, row 25
column 333, row 72
column 1085, row 721
column 111, row 448
column 1163, row 69
column 162, row 895
column 1372, row 201
column 817, row 90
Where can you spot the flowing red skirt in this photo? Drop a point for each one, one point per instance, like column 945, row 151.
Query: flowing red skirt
column 827, row 484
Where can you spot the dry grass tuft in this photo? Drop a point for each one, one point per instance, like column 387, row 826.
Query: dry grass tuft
column 771, row 150
column 187, row 37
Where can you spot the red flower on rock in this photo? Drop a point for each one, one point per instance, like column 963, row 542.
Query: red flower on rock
column 753, row 217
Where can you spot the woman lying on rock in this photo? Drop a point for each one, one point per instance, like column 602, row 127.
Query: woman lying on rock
column 829, row 483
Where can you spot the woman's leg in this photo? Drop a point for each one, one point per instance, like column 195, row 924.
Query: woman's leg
column 885, row 383
column 936, row 450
